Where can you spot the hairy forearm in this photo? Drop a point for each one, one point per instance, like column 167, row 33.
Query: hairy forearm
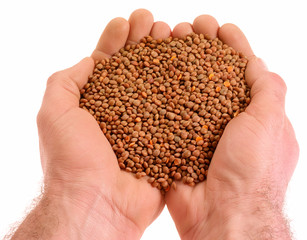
column 45, row 221
column 258, row 221
column 61, row 218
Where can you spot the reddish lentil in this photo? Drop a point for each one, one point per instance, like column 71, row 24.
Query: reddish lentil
column 164, row 112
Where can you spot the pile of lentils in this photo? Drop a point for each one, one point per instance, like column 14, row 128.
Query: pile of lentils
column 163, row 105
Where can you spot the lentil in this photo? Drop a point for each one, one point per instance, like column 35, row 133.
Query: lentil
column 163, row 105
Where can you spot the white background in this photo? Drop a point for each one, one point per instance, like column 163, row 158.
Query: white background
column 38, row 38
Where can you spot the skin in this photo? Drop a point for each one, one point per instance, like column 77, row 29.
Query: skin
column 86, row 195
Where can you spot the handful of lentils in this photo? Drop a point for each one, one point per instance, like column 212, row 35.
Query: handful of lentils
column 163, row 105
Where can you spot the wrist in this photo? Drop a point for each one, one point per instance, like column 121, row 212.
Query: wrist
column 252, row 218
column 74, row 213
column 89, row 214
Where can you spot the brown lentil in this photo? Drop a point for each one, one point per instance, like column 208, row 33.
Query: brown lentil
column 164, row 104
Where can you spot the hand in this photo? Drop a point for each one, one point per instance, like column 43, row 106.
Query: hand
column 252, row 165
column 79, row 165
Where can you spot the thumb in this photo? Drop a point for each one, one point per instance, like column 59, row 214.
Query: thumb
column 268, row 92
column 63, row 89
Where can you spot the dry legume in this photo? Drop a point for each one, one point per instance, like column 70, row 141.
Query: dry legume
column 164, row 104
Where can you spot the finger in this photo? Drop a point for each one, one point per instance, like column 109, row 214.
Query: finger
column 182, row 29
column 63, row 89
column 206, row 24
column 268, row 92
column 112, row 39
column 141, row 22
column 160, row 30
column 234, row 37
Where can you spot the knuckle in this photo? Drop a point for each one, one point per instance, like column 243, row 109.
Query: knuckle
column 62, row 79
column 40, row 118
column 278, row 81
column 277, row 86
column 43, row 119
column 55, row 77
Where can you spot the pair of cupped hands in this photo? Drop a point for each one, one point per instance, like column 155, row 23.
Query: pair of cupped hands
column 247, row 178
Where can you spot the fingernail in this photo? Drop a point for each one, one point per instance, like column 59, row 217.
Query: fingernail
column 262, row 64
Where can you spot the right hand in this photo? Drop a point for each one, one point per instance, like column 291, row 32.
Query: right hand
column 252, row 164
